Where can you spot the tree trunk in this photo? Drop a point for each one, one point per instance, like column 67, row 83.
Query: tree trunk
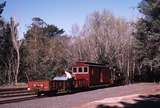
column 16, row 45
column 17, row 68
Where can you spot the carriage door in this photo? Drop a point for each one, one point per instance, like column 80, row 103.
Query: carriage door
column 95, row 76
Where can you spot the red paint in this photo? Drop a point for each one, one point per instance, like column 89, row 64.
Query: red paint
column 41, row 85
column 88, row 75
column 97, row 73
column 79, row 65
column 82, row 76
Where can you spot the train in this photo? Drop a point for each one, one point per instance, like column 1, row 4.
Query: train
column 84, row 75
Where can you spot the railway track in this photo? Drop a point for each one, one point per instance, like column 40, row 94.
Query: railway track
column 9, row 95
column 76, row 100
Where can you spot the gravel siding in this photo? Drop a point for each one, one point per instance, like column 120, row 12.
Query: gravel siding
column 78, row 99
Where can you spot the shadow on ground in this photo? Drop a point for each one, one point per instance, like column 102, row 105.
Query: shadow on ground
column 151, row 101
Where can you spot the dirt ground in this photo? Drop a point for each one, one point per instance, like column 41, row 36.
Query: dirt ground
column 130, row 96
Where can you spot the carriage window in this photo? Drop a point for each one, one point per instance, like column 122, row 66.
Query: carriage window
column 80, row 69
column 85, row 69
column 74, row 69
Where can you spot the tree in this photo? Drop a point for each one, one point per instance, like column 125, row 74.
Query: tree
column 5, row 50
column 148, row 38
column 106, row 39
column 44, row 47
column 9, row 50
column 7, row 55
column 16, row 45
column 2, row 5
column 3, row 44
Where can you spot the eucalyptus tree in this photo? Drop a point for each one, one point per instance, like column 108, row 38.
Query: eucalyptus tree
column 106, row 39
column 148, row 39
column 44, row 45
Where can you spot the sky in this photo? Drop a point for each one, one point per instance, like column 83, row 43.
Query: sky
column 65, row 13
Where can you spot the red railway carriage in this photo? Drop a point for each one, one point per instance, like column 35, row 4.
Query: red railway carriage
column 91, row 73
column 83, row 75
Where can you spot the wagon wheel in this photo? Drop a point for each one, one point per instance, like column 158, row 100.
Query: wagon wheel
column 38, row 94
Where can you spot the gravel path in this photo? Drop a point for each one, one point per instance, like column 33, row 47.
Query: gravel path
column 78, row 99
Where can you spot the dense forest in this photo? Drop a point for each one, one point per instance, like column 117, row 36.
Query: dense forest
column 129, row 48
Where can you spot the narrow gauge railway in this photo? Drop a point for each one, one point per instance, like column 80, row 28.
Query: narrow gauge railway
column 84, row 75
